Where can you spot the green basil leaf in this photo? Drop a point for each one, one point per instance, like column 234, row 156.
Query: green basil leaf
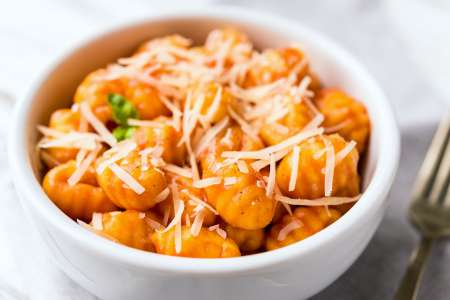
column 122, row 109
column 123, row 132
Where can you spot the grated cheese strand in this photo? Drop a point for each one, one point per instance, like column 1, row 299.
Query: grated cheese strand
column 170, row 106
column 222, row 233
column 97, row 124
column 73, row 139
column 127, row 179
column 202, row 183
column 50, row 132
column 210, row 135
column 280, row 128
column 317, row 202
column 314, row 123
column 260, row 164
column 198, row 222
column 230, row 180
column 294, row 168
column 81, row 155
column 247, row 128
column 193, row 162
column 145, row 123
column 178, row 238
column 163, row 195
column 261, row 92
column 184, row 172
column 97, row 221
column 285, row 205
column 199, row 201
column 215, row 104
column 329, row 167
column 83, row 167
column 271, row 181
column 154, row 224
column 177, row 217
column 242, row 166
column 337, row 127
column 345, row 151
column 291, row 226
column 264, row 153
column 122, row 150
column 100, row 233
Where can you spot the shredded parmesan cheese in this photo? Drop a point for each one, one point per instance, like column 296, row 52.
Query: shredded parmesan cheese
column 291, row 226
column 127, row 179
column 166, row 215
column 121, row 150
column 198, row 222
column 50, row 132
column 317, row 202
column 98, row 232
column 97, row 221
column 247, row 128
column 260, row 164
column 83, row 167
column 337, row 127
column 271, row 181
column 202, row 183
column 184, row 172
column 178, row 238
column 230, row 180
column 294, row 168
column 144, row 123
column 280, row 128
column 264, row 153
column 81, row 155
column 314, row 123
column 222, row 233
column 177, row 217
column 329, row 167
column 153, row 224
column 319, row 153
column 210, row 135
column 199, row 202
column 215, row 104
column 74, row 139
column 97, row 124
column 345, row 151
column 242, row 166
column 163, row 195
column 176, row 113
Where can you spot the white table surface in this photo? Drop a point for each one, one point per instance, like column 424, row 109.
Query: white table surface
column 32, row 33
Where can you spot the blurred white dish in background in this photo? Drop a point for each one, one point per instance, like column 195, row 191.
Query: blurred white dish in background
column 425, row 28
column 23, row 49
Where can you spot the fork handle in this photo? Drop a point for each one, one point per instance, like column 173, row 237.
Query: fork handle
column 411, row 280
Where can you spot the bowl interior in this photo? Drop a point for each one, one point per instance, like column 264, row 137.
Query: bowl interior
column 57, row 90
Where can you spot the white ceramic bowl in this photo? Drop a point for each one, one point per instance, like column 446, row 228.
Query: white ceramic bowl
column 112, row 271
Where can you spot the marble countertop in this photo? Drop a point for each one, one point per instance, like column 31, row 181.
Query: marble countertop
column 34, row 32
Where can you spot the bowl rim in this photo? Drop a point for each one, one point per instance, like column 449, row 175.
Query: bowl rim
column 377, row 189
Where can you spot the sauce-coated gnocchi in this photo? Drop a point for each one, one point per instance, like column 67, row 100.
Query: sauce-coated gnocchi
column 212, row 150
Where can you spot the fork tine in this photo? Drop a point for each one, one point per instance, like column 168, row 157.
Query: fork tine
column 433, row 157
column 440, row 183
column 447, row 197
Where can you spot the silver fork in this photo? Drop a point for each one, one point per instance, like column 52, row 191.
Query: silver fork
column 430, row 209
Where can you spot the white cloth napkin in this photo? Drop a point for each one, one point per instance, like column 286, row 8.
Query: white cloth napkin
column 32, row 33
